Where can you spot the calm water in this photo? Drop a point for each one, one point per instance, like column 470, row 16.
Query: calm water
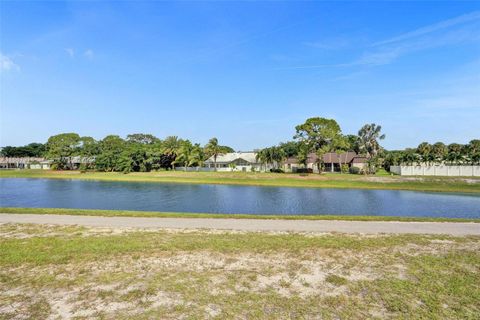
column 232, row 199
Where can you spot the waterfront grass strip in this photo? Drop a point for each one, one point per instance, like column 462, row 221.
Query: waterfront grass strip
column 156, row 214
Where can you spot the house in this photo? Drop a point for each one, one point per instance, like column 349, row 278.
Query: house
column 332, row 162
column 235, row 161
column 24, row 163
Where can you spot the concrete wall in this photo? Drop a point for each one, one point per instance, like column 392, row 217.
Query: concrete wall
column 439, row 170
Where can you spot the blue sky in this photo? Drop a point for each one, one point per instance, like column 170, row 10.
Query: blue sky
column 245, row 72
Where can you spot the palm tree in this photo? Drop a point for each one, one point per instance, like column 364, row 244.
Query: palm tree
column 455, row 153
column 424, row 149
column 189, row 154
column 439, row 152
column 368, row 136
column 214, row 149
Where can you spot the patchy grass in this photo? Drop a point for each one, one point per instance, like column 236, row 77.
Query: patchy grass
column 156, row 214
column 69, row 272
column 327, row 180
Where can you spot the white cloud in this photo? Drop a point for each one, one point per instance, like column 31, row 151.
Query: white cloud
column 70, row 52
column 88, row 53
column 7, row 64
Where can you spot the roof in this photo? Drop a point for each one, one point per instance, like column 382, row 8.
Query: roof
column 359, row 159
column 21, row 160
column 232, row 156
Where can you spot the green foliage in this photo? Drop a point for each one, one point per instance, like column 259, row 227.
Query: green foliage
column 272, row 155
column 354, row 170
column 30, row 150
column 317, row 132
column 189, row 155
column 61, row 147
column 344, row 168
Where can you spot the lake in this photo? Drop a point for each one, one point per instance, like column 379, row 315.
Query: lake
column 171, row 197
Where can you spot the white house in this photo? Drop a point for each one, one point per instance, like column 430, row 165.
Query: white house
column 235, row 161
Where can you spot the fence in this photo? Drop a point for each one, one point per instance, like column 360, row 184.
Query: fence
column 439, row 170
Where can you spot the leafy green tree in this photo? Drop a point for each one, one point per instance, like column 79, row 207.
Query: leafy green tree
column 30, row 150
column 111, row 157
column 89, row 147
column 142, row 138
column 61, row 148
column 291, row 148
column 317, row 132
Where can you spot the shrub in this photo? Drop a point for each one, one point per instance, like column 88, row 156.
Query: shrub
column 344, row 168
column 304, row 170
column 276, row 170
column 354, row 170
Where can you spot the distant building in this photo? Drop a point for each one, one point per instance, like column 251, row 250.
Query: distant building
column 24, row 163
column 331, row 161
column 235, row 161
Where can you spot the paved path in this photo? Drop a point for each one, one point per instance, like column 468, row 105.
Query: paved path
column 451, row 228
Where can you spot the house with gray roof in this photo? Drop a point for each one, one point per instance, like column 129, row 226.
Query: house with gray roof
column 235, row 161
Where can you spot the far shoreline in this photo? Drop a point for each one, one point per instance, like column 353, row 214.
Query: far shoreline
column 470, row 185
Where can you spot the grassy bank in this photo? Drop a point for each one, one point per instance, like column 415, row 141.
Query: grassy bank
column 156, row 214
column 434, row 184
column 98, row 273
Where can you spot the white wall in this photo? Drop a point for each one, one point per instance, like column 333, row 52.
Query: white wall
column 439, row 170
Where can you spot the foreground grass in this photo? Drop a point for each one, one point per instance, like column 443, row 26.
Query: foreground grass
column 434, row 184
column 156, row 214
column 85, row 273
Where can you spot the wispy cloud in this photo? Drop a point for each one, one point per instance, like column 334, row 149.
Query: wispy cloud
column 88, row 53
column 329, row 44
column 70, row 52
column 7, row 64
column 459, row 30
column 472, row 16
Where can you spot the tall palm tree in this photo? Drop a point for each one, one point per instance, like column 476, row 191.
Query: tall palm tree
column 214, row 149
column 368, row 136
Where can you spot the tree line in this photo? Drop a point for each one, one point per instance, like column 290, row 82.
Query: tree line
column 137, row 153
column 436, row 153
column 144, row 152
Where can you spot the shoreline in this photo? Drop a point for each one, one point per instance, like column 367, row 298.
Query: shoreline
column 334, row 181
column 193, row 215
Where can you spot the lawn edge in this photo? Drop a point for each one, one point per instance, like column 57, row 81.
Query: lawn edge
column 158, row 214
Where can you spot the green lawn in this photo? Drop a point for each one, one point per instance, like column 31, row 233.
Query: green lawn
column 100, row 273
column 156, row 214
column 382, row 181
